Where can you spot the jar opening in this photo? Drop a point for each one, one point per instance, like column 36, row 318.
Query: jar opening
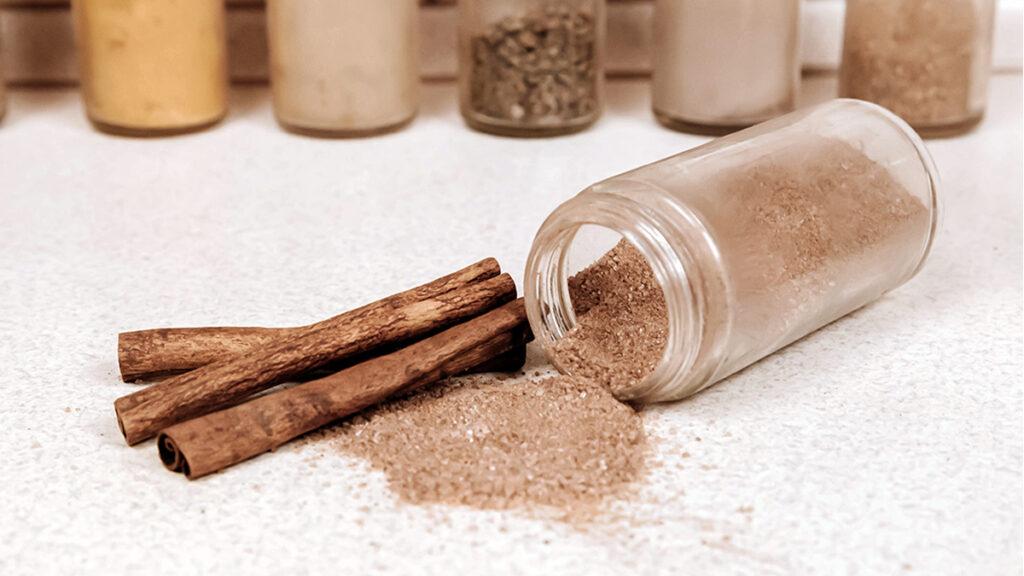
column 610, row 298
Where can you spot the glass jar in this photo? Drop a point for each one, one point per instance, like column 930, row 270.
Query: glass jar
column 926, row 60
column 152, row 67
column 755, row 239
column 531, row 67
column 721, row 66
column 343, row 67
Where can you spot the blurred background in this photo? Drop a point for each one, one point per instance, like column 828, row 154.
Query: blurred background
column 39, row 43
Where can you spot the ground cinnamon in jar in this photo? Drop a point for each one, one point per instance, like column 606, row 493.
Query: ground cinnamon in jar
column 797, row 232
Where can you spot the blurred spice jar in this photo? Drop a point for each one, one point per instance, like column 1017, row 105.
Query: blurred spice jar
column 531, row 67
column 152, row 67
column 724, row 65
column 343, row 67
column 926, row 60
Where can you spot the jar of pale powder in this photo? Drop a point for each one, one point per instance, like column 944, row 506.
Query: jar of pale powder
column 531, row 67
column 343, row 67
column 151, row 67
column 926, row 60
column 663, row 280
column 724, row 65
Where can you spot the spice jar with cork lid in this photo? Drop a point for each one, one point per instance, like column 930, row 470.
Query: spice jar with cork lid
column 722, row 66
column 343, row 67
column 152, row 67
column 531, row 67
column 926, row 60
column 731, row 250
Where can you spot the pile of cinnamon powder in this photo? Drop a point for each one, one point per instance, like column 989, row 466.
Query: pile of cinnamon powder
column 498, row 444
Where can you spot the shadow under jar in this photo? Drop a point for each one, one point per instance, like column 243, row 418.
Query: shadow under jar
column 926, row 60
column 343, row 67
column 723, row 65
column 152, row 67
column 531, row 67
column 755, row 239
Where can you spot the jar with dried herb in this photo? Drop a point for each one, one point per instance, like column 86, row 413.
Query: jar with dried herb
column 731, row 250
column 343, row 67
column 152, row 67
column 531, row 67
column 722, row 66
column 926, row 60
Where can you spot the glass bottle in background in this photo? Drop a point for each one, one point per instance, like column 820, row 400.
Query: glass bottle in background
column 343, row 67
column 722, row 65
column 152, row 67
column 926, row 60
column 531, row 67
column 756, row 239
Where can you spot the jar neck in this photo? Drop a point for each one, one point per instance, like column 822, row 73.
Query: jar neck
column 683, row 259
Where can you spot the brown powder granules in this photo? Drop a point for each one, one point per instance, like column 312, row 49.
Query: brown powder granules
column 622, row 324
column 494, row 444
column 914, row 57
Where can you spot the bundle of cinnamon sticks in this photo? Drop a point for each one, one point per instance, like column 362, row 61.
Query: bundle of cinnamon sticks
column 211, row 414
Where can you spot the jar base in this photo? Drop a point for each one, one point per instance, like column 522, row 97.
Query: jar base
column 950, row 130
column 526, row 131
column 331, row 133
column 118, row 130
column 673, row 123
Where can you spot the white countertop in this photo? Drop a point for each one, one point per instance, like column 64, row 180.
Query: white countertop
column 890, row 442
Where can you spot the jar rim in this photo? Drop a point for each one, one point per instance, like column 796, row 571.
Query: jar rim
column 680, row 275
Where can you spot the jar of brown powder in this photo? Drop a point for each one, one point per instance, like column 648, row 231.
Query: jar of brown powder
column 531, row 67
column 343, row 67
column 926, row 60
column 732, row 250
column 721, row 66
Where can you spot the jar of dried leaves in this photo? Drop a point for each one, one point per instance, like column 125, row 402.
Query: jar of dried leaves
column 531, row 67
column 666, row 279
column 926, row 60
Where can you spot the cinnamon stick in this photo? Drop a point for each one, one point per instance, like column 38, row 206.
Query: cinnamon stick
column 148, row 354
column 220, row 439
column 142, row 414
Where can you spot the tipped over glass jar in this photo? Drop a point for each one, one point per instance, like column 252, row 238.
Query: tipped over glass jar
column 926, row 60
column 531, row 67
column 731, row 250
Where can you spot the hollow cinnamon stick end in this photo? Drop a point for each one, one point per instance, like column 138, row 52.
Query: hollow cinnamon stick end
column 172, row 457
column 125, row 421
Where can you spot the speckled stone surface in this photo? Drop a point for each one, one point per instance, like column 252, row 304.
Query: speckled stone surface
column 890, row 442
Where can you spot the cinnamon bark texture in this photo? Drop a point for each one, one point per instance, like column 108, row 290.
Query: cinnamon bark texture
column 220, row 439
column 148, row 354
column 142, row 414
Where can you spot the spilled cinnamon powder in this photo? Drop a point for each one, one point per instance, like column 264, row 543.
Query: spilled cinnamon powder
column 493, row 444
column 797, row 228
